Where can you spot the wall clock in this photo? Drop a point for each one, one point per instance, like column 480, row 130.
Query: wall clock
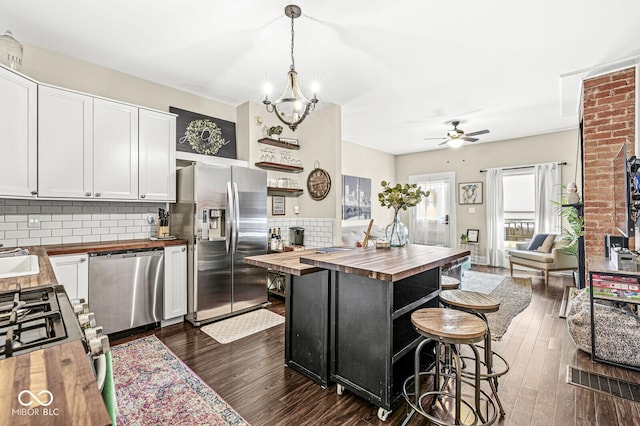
column 318, row 183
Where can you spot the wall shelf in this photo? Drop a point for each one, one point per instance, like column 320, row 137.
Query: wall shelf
column 279, row 167
column 279, row 144
column 285, row 192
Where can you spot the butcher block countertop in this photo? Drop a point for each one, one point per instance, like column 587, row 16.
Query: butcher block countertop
column 287, row 262
column 390, row 264
column 62, row 370
column 45, row 277
column 58, row 249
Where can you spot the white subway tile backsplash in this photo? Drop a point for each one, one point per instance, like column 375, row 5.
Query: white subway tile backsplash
column 124, row 236
column 108, row 237
column 81, row 231
column 51, row 209
column 28, row 241
column 15, row 217
column 17, row 234
column 99, row 231
column 125, row 222
column 82, row 216
column 90, row 223
column 61, row 232
column 71, row 209
column 90, row 238
column 71, row 239
column 39, row 233
column 72, row 224
column 133, row 229
column 50, row 225
column 100, row 216
column 28, row 209
column 51, row 240
column 8, row 226
column 9, row 242
column 108, row 223
column 8, row 209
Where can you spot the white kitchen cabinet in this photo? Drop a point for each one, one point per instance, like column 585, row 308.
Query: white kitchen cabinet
column 65, row 143
column 72, row 271
column 115, row 150
column 157, row 160
column 18, row 133
column 175, row 281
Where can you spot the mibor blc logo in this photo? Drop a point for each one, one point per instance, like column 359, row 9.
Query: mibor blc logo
column 35, row 404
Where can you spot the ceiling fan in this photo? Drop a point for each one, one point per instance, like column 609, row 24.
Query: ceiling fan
column 456, row 137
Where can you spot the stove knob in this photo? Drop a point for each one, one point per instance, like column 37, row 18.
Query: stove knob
column 99, row 345
column 92, row 333
column 81, row 308
column 87, row 320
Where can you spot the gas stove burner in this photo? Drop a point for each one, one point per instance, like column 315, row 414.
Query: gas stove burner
column 30, row 319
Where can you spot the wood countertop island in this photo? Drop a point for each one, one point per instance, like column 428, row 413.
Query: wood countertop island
column 348, row 314
column 392, row 264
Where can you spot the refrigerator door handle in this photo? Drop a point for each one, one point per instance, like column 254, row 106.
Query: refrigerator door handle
column 229, row 219
column 236, row 217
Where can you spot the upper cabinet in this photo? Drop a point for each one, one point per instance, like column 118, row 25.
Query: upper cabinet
column 93, row 148
column 65, row 144
column 115, row 150
column 18, row 133
column 157, row 161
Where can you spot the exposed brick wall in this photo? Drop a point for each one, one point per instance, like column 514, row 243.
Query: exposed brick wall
column 608, row 120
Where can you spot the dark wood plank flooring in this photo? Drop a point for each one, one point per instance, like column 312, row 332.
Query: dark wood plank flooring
column 251, row 376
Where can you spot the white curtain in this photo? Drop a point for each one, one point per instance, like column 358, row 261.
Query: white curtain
column 547, row 191
column 495, row 218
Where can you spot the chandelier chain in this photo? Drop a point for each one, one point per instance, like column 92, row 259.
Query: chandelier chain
column 293, row 62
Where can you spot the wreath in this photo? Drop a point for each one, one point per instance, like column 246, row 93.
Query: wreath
column 205, row 137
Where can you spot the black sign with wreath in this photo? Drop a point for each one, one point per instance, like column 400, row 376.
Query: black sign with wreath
column 204, row 135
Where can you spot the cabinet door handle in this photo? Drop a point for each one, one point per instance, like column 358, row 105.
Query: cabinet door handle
column 83, row 259
column 184, row 249
column 34, row 192
column 142, row 196
column 87, row 194
column 98, row 194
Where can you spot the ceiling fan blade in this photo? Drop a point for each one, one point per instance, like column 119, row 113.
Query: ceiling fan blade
column 470, row 139
column 479, row 132
column 433, row 139
column 445, row 142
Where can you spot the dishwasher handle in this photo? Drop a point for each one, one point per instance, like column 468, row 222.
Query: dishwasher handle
column 122, row 254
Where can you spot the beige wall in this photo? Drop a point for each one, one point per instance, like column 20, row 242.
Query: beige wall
column 361, row 161
column 59, row 70
column 467, row 162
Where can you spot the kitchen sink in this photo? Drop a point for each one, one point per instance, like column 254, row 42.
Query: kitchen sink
column 18, row 266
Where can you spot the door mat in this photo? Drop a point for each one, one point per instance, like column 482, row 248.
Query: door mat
column 244, row 325
column 603, row 384
column 154, row 387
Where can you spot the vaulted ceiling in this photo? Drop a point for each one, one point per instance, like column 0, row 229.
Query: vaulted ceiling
column 401, row 70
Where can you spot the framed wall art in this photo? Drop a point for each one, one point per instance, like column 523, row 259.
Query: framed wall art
column 470, row 193
column 204, row 135
column 277, row 205
column 473, row 236
column 356, row 198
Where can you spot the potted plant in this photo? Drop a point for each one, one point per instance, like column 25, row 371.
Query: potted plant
column 399, row 197
column 274, row 132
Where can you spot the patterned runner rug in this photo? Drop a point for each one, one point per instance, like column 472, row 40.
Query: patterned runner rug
column 153, row 387
column 244, row 325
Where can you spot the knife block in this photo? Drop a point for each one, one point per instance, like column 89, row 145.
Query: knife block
column 163, row 231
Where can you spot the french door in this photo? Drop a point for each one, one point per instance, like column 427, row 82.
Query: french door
column 432, row 222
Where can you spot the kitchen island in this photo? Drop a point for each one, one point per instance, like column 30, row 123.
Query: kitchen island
column 365, row 297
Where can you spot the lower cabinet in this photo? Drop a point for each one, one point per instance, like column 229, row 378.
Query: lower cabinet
column 175, row 281
column 72, row 271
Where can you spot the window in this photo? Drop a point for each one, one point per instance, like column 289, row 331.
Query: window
column 519, row 205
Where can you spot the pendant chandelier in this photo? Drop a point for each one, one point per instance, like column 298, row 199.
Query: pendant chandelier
column 292, row 107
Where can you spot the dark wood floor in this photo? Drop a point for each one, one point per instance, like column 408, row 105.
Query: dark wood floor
column 250, row 374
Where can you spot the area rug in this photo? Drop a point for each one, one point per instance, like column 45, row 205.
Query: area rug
column 244, row 325
column 514, row 295
column 153, row 387
column 480, row 281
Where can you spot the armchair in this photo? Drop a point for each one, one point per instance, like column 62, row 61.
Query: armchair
column 555, row 260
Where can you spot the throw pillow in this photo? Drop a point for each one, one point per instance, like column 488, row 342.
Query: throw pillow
column 546, row 246
column 537, row 241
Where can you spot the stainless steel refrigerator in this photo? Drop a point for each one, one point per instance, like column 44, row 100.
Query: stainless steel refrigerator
column 222, row 212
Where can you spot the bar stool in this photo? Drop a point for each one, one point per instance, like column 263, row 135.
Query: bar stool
column 449, row 283
column 448, row 327
column 479, row 304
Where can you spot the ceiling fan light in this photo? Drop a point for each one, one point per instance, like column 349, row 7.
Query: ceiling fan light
column 456, row 143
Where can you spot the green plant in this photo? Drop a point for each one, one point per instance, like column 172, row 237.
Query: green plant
column 274, row 130
column 574, row 229
column 400, row 196
column 464, row 239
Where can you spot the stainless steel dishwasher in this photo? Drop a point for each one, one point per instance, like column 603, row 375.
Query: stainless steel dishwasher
column 126, row 287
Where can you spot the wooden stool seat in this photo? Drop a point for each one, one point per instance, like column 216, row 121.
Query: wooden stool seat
column 449, row 283
column 449, row 325
column 469, row 301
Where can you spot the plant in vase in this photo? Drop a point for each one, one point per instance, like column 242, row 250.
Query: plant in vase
column 399, row 197
column 274, row 132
